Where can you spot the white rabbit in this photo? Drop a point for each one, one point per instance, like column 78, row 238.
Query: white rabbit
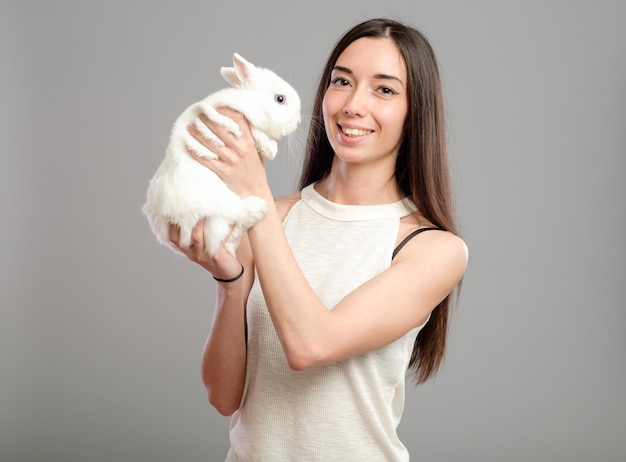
column 183, row 191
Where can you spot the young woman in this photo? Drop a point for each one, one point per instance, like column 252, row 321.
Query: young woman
column 345, row 284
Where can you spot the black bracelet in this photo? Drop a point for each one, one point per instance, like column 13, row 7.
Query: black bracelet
column 231, row 279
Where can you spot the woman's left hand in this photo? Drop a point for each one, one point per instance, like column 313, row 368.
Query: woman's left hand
column 239, row 164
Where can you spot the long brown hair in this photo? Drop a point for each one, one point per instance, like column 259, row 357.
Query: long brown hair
column 421, row 167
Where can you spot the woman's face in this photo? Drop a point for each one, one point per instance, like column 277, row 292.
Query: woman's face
column 366, row 103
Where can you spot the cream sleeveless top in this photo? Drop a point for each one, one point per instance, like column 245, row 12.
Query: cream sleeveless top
column 346, row 411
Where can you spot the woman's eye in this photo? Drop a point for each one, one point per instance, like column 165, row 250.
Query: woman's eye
column 387, row 91
column 340, row 81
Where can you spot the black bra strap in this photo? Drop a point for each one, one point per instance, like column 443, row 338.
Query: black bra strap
column 409, row 237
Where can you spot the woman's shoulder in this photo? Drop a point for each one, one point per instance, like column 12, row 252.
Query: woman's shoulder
column 436, row 241
column 284, row 204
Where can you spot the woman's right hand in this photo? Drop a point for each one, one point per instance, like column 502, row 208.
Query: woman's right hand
column 222, row 264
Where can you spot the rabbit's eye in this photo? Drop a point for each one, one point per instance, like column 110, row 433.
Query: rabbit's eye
column 280, row 99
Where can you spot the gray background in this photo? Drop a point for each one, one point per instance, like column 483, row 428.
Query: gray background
column 101, row 329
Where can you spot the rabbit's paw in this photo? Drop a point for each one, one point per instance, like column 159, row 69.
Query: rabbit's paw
column 266, row 146
column 216, row 230
column 254, row 209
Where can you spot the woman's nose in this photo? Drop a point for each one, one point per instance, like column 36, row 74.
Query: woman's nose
column 356, row 105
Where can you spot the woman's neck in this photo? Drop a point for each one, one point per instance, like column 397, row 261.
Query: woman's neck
column 351, row 187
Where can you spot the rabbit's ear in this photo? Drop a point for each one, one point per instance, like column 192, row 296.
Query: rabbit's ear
column 231, row 76
column 239, row 74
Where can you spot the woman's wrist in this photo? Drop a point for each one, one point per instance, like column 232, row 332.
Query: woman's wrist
column 223, row 266
column 262, row 191
column 229, row 279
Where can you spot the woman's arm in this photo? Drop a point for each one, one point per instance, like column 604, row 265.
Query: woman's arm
column 223, row 365
column 373, row 315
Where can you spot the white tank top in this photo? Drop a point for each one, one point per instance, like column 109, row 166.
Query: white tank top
column 346, row 411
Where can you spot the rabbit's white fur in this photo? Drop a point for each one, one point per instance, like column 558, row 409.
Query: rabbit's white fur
column 183, row 191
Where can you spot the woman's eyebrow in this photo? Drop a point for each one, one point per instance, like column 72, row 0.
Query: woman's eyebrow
column 342, row 69
column 376, row 76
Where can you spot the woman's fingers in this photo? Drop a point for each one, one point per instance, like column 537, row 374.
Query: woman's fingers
column 226, row 139
column 174, row 234
column 238, row 118
column 219, row 143
column 222, row 264
column 203, row 141
column 215, row 132
column 196, row 248
column 197, row 236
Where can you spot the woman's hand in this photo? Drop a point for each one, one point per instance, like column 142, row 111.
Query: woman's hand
column 222, row 265
column 239, row 164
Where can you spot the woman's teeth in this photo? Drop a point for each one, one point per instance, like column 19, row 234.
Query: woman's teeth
column 354, row 131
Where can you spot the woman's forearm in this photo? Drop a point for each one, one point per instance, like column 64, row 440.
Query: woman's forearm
column 224, row 356
column 297, row 313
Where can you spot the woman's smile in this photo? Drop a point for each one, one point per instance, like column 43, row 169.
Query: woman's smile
column 354, row 132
